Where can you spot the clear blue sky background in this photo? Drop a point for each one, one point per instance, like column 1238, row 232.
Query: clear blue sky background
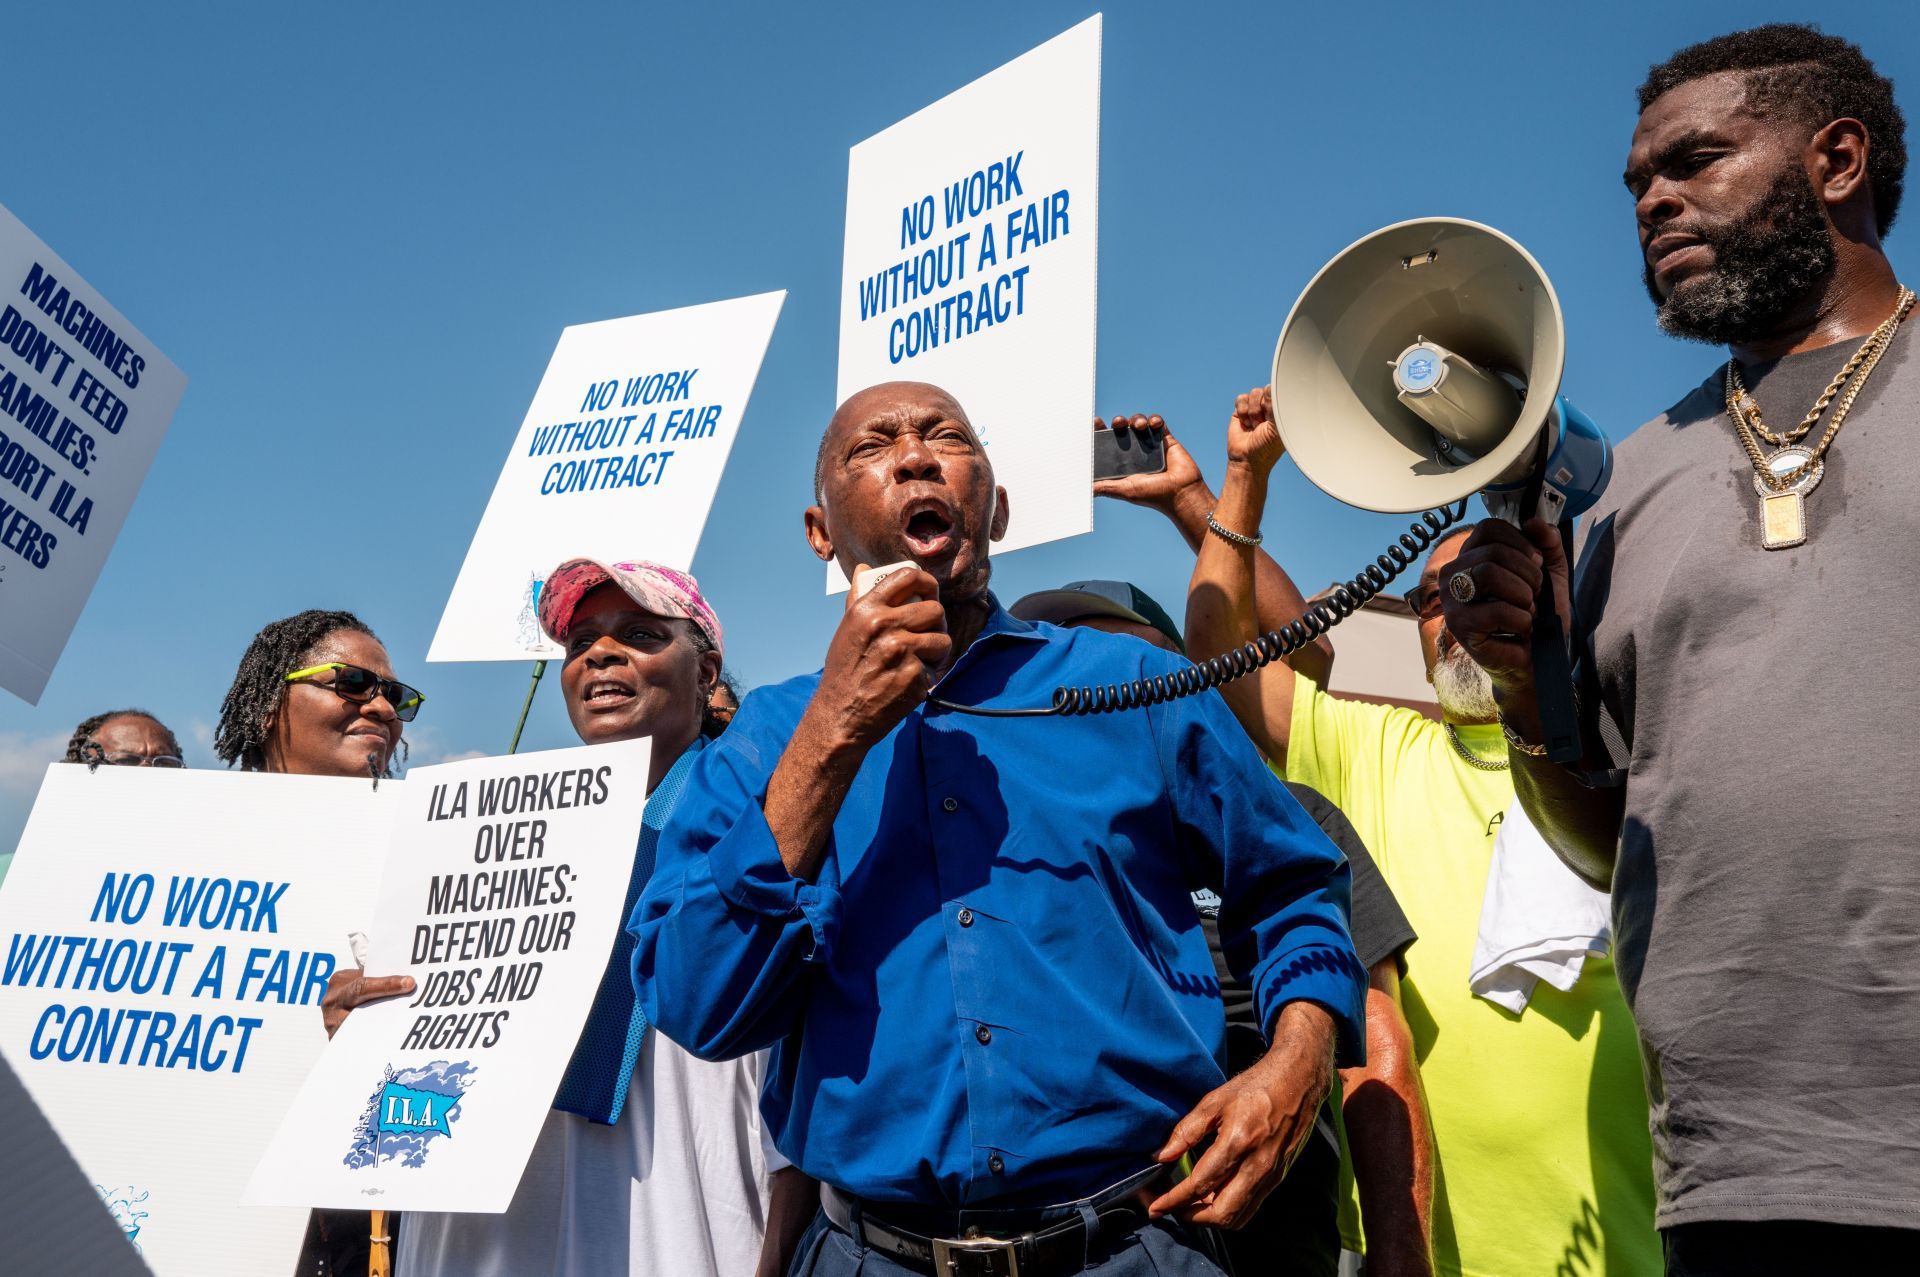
column 360, row 228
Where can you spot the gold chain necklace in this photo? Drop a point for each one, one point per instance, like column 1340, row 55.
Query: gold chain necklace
column 1783, row 479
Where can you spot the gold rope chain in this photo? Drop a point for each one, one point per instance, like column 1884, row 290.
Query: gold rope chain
column 1864, row 360
column 1880, row 334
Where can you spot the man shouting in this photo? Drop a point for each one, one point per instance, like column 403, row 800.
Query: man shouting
column 970, row 941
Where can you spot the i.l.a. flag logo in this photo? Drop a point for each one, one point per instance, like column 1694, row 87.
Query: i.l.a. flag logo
column 407, row 1111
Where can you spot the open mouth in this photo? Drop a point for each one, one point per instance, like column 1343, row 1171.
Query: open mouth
column 606, row 695
column 927, row 528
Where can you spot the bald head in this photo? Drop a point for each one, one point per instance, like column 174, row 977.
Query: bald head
column 887, row 396
column 901, row 474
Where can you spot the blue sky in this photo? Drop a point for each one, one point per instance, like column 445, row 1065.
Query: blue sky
column 360, row 229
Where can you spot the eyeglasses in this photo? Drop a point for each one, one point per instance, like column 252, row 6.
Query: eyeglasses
column 93, row 753
column 1424, row 599
column 351, row 683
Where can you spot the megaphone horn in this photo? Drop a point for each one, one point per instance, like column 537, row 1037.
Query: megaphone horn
column 1422, row 365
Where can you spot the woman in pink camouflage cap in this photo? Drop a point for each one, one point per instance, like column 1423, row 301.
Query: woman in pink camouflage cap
column 652, row 1162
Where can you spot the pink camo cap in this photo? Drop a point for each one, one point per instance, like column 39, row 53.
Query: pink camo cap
column 658, row 589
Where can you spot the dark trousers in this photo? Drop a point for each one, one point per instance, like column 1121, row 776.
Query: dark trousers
column 1293, row 1234
column 1788, row 1248
column 1162, row 1249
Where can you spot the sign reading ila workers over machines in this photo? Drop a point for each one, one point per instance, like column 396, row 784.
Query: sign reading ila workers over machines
column 620, row 454
column 972, row 252
column 502, row 898
column 167, row 937
column 84, row 402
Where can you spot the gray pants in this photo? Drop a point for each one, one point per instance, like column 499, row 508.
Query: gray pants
column 1162, row 1249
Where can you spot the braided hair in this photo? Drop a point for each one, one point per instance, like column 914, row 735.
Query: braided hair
column 83, row 734
column 259, row 685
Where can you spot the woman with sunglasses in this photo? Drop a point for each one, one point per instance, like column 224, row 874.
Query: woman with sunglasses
column 315, row 696
column 124, row 738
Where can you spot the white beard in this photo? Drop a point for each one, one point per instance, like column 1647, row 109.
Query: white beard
column 1464, row 690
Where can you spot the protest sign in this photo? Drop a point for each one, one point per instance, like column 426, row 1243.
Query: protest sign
column 620, row 455
column 167, row 937
column 971, row 262
column 502, row 900
column 84, row 402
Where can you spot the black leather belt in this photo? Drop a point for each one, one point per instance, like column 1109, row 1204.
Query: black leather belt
column 1039, row 1242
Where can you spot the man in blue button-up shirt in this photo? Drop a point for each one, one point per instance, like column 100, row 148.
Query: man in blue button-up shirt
column 970, row 941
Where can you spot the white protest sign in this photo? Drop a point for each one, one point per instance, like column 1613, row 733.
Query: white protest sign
column 972, row 262
column 618, row 457
column 167, row 938
column 502, row 900
column 84, row 402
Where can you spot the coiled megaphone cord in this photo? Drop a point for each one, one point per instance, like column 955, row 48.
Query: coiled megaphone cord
column 1320, row 617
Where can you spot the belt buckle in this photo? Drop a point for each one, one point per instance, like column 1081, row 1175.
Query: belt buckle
column 953, row 1257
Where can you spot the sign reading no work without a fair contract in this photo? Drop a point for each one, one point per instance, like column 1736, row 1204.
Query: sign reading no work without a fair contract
column 167, row 937
column 502, row 898
column 971, row 262
column 84, row 402
column 620, row 455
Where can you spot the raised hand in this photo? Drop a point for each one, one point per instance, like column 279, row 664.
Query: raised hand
column 1161, row 491
column 1253, row 440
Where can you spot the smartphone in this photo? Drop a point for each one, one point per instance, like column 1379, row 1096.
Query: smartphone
column 1119, row 453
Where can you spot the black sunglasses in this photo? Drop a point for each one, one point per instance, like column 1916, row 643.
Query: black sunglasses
column 1424, row 599
column 351, row 683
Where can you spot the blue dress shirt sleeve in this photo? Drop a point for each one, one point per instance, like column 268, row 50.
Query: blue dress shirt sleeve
column 1284, row 886
column 723, row 932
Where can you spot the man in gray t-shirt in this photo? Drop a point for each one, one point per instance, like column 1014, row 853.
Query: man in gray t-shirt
column 1759, row 663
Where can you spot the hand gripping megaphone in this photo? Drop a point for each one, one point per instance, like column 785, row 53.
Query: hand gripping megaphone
column 1422, row 365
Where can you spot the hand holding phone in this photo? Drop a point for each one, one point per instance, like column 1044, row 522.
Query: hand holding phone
column 1125, row 450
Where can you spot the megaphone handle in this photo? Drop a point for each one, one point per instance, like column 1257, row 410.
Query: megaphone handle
column 1553, row 677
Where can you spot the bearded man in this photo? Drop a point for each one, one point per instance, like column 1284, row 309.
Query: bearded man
column 1744, row 617
column 1539, row 1125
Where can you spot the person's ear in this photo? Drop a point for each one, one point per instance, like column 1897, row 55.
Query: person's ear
column 997, row 526
column 1838, row 160
column 817, row 535
column 709, row 676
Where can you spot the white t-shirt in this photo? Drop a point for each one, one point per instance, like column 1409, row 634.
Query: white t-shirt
column 689, row 1155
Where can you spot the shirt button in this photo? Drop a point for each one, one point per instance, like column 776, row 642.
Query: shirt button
column 950, row 804
column 966, row 917
column 984, row 1034
column 995, row 1165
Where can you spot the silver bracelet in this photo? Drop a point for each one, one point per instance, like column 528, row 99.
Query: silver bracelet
column 1213, row 526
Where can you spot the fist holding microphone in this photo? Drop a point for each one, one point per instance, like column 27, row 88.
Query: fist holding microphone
column 882, row 659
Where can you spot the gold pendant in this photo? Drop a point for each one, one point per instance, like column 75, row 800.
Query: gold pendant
column 1783, row 520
